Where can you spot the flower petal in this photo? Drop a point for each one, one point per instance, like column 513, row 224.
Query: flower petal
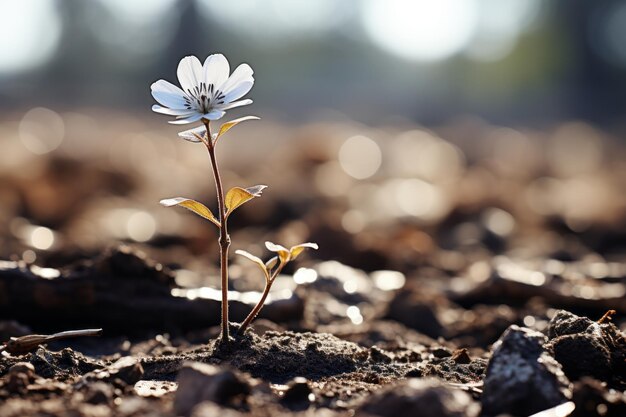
column 238, row 91
column 189, row 134
column 234, row 104
column 193, row 118
column 216, row 70
column 242, row 74
column 168, row 95
column 190, row 74
column 214, row 114
column 172, row 112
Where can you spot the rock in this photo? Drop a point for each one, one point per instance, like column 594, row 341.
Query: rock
column 418, row 311
column 19, row 376
column 198, row 382
column 522, row 378
column 582, row 355
column 125, row 371
column 566, row 323
column 128, row 369
column 298, row 394
column 579, row 345
column 154, row 389
column 461, row 356
column 419, row 397
column 99, row 393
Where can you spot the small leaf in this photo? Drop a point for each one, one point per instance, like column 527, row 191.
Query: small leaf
column 297, row 250
column 198, row 208
column 195, row 135
column 283, row 252
column 271, row 263
column 254, row 259
column 237, row 196
column 229, row 125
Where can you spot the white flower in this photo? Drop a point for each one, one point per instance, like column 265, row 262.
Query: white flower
column 207, row 90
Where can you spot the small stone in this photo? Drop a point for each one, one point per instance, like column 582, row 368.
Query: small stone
column 154, row 389
column 99, row 393
column 377, row 355
column 19, row 376
column 441, row 353
column 522, row 378
column 419, row 397
column 579, row 345
column 297, row 397
column 461, row 356
column 582, row 355
column 127, row 369
column 198, row 382
column 23, row 368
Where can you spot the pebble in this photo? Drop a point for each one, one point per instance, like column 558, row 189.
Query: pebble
column 198, row 382
column 522, row 378
column 578, row 344
column 19, row 376
column 99, row 393
column 419, row 397
column 298, row 395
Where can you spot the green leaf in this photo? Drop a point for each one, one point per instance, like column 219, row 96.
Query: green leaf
column 198, row 208
column 297, row 250
column 254, row 259
column 237, row 196
column 283, row 253
column 229, row 125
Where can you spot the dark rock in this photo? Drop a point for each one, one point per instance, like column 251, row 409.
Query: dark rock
column 297, row 397
column 419, row 397
column 587, row 348
column 522, row 378
column 418, row 311
column 461, row 356
column 566, row 323
column 582, row 355
column 377, row 355
column 441, row 352
column 198, row 382
column 128, row 369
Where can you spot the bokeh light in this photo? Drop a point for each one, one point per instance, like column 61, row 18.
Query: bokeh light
column 41, row 130
column 421, row 30
column 30, row 31
column 360, row 157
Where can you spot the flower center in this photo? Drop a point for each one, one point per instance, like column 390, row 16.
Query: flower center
column 203, row 98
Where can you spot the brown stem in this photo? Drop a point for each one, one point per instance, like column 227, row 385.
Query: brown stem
column 224, row 239
column 257, row 308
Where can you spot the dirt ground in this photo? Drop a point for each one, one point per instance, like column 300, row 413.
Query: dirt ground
column 469, row 278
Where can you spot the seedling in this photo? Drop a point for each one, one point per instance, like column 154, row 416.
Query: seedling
column 207, row 92
column 271, row 269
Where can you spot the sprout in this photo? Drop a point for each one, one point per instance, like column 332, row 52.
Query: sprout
column 271, row 269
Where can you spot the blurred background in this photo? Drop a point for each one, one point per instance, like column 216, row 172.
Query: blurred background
column 508, row 61
column 395, row 133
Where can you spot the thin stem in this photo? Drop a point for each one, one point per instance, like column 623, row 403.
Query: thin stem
column 224, row 239
column 257, row 308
